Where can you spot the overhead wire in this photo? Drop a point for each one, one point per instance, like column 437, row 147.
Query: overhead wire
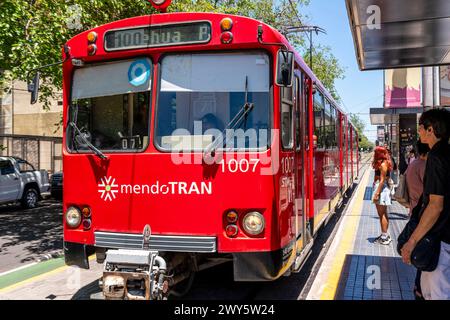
column 294, row 9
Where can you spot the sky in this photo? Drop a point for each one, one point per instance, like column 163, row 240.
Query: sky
column 359, row 90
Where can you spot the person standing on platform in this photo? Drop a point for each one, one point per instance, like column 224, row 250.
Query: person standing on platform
column 414, row 182
column 414, row 175
column 394, row 167
column 412, row 157
column 382, row 191
column 434, row 130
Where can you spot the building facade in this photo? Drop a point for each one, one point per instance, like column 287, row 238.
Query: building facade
column 29, row 131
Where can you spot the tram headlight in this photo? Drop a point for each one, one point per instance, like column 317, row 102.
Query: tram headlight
column 73, row 217
column 253, row 223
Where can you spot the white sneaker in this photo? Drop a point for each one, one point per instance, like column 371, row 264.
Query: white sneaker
column 386, row 241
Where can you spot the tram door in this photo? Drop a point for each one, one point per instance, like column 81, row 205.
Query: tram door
column 300, row 160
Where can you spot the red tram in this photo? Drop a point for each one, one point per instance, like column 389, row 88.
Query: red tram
column 192, row 139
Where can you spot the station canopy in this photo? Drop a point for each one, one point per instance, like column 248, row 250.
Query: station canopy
column 383, row 116
column 400, row 33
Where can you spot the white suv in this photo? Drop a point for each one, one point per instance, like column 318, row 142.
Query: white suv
column 20, row 181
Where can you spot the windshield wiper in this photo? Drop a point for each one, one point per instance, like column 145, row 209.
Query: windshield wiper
column 225, row 136
column 86, row 141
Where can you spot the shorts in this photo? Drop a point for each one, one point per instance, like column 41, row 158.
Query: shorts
column 385, row 195
column 436, row 284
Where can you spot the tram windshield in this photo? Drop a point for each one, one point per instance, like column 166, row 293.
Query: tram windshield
column 200, row 94
column 110, row 106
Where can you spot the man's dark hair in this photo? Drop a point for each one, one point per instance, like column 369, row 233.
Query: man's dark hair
column 422, row 148
column 439, row 120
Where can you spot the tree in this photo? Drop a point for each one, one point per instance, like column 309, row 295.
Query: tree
column 32, row 32
column 360, row 126
column 326, row 67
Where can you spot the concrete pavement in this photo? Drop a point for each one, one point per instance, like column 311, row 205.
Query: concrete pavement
column 60, row 283
column 29, row 235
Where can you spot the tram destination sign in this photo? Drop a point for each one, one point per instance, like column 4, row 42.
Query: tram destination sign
column 158, row 36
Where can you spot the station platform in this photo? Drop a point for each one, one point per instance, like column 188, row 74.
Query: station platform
column 357, row 268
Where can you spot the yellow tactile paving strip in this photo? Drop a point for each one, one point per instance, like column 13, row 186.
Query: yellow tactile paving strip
column 350, row 223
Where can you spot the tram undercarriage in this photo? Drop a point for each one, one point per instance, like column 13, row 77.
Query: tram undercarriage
column 151, row 275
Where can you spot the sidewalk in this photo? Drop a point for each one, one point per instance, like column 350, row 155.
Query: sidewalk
column 356, row 268
column 61, row 283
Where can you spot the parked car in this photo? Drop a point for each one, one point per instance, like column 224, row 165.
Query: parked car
column 57, row 185
column 21, row 182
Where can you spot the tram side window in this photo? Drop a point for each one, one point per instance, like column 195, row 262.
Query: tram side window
column 333, row 123
column 299, row 106
column 110, row 106
column 319, row 118
column 344, row 135
column 305, row 102
column 327, row 125
column 340, row 128
column 330, row 122
column 286, row 117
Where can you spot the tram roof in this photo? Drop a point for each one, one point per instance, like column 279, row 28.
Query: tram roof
column 400, row 33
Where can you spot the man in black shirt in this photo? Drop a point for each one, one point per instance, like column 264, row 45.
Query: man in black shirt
column 434, row 130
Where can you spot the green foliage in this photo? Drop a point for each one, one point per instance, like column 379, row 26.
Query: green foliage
column 5, row 83
column 366, row 144
column 33, row 32
column 326, row 67
column 360, row 126
column 357, row 122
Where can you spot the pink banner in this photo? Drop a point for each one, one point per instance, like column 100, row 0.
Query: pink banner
column 445, row 85
column 402, row 88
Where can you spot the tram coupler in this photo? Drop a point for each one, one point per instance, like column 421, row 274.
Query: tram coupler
column 134, row 275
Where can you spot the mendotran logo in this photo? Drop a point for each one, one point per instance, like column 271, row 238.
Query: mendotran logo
column 108, row 188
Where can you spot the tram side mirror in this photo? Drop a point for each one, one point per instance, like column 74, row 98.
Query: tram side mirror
column 33, row 88
column 285, row 68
